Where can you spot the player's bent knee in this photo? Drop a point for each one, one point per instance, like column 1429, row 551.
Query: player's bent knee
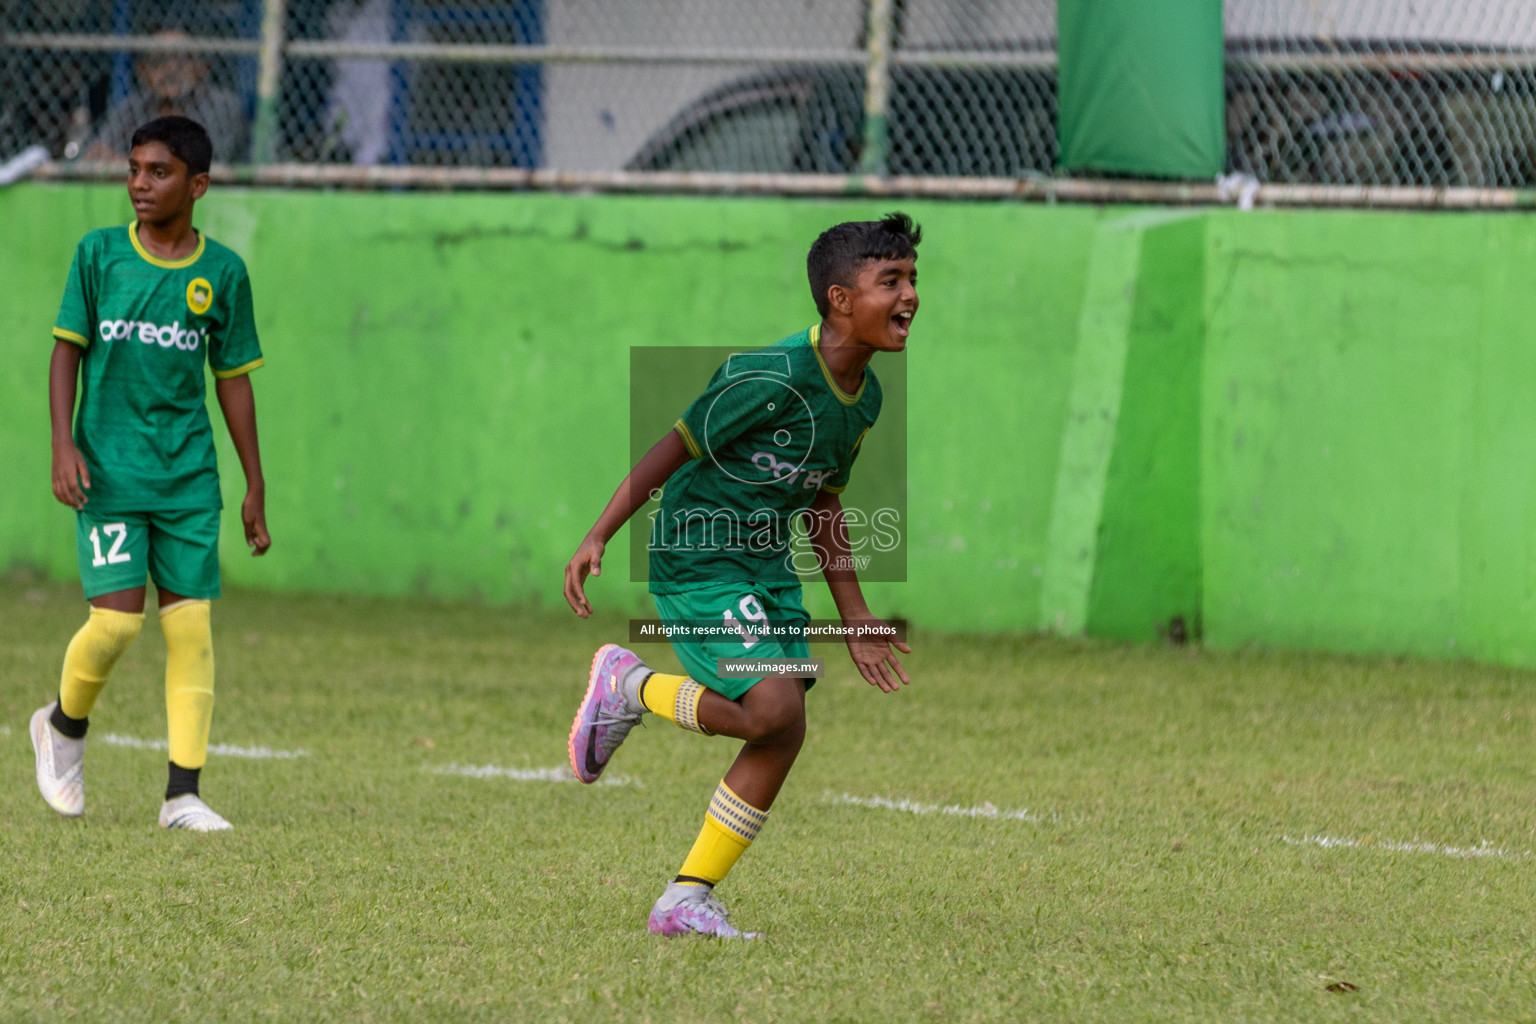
column 776, row 713
column 769, row 730
column 792, row 737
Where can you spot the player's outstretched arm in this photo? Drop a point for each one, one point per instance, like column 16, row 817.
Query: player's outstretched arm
column 239, row 404
column 653, row 470
column 872, row 655
column 71, row 476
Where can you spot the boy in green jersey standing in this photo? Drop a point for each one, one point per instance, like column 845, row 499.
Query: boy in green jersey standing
column 772, row 439
column 145, row 308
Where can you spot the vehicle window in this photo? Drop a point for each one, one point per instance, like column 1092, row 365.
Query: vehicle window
column 1377, row 128
column 759, row 137
column 965, row 122
column 1489, row 136
column 834, row 123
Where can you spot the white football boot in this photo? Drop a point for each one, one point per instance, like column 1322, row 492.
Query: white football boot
column 60, row 765
column 189, row 812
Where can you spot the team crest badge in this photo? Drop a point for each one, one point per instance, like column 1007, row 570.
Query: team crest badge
column 199, row 295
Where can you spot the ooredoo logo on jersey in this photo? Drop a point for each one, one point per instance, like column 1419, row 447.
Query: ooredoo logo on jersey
column 172, row 335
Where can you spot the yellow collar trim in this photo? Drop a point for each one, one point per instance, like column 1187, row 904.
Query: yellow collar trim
column 842, row 396
column 138, row 246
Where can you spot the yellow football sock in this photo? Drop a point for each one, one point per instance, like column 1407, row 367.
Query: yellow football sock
column 675, row 698
column 91, row 655
column 188, row 680
column 729, row 828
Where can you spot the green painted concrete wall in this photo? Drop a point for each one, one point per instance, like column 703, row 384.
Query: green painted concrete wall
column 444, row 408
column 1122, row 553
column 1298, row 429
column 1369, row 428
column 1148, row 566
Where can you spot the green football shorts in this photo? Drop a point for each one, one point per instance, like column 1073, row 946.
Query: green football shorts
column 736, row 607
column 178, row 550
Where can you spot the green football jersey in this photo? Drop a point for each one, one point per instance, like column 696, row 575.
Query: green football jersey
column 147, row 326
column 771, row 431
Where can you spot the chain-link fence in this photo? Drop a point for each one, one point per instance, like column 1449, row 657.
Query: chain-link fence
column 69, row 82
column 1384, row 92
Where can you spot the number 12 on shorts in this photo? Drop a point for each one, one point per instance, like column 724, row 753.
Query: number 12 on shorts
column 117, row 533
column 752, row 611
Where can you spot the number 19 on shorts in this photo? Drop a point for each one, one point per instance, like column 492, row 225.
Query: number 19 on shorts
column 752, row 611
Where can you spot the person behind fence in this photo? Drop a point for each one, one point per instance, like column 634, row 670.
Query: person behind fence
column 174, row 83
column 146, row 307
column 357, row 108
column 772, row 439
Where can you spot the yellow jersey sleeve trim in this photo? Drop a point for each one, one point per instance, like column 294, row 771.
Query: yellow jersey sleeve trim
column 842, row 396
column 687, row 435
column 239, row 371
column 133, row 236
column 834, row 490
column 71, row 337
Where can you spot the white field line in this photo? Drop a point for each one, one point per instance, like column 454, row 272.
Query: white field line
column 222, row 749
column 1482, row 849
column 986, row 810
column 491, row 771
column 5, row 730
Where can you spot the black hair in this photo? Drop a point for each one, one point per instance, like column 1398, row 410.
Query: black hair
column 842, row 250
column 186, row 139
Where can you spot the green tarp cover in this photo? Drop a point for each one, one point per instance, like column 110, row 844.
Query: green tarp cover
column 1140, row 87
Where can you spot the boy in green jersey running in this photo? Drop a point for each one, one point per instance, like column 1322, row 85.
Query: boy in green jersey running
column 145, row 308
column 772, row 439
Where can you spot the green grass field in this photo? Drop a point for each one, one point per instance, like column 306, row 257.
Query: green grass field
column 1150, row 879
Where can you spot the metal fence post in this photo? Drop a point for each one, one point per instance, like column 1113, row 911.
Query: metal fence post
column 877, row 90
column 264, row 133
